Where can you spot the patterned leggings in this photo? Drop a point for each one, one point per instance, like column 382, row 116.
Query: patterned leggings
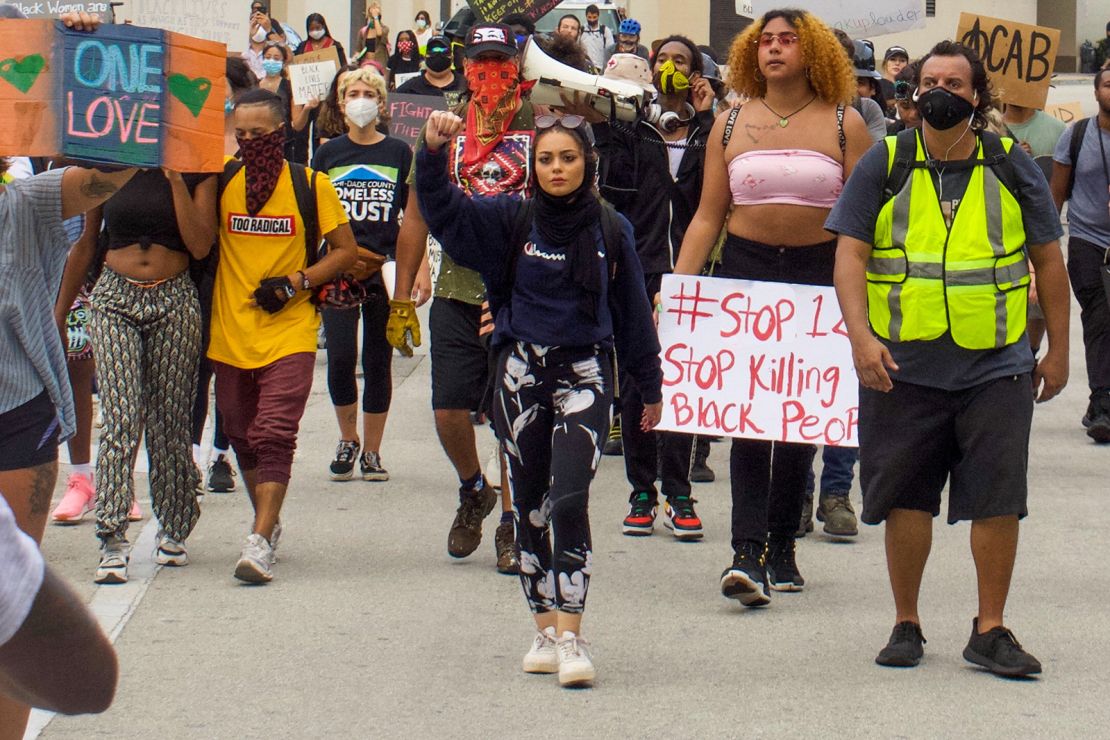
column 147, row 345
column 552, row 411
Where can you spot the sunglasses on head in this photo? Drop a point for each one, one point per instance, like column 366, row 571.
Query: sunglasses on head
column 785, row 38
column 569, row 120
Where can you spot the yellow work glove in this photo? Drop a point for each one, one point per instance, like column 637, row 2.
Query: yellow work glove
column 403, row 327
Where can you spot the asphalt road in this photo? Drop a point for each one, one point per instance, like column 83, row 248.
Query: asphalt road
column 370, row 629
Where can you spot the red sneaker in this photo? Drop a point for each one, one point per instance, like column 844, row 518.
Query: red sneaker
column 640, row 521
column 681, row 518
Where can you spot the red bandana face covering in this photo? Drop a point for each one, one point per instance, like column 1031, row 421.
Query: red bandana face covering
column 263, row 159
column 495, row 91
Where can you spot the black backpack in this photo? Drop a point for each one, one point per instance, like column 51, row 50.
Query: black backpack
column 995, row 156
column 1078, row 132
column 522, row 226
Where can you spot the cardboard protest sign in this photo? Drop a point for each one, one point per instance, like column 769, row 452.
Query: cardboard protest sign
column 756, row 360
column 495, row 10
column 121, row 95
column 1019, row 57
column 1066, row 112
column 54, row 8
column 860, row 19
column 407, row 114
column 311, row 74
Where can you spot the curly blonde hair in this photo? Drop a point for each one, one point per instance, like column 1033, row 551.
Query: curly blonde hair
column 830, row 73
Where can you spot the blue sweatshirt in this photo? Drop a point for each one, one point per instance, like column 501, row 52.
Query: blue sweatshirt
column 544, row 307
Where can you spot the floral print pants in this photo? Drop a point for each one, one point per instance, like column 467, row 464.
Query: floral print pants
column 552, row 409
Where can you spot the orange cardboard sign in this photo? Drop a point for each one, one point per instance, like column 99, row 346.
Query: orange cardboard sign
column 121, row 95
column 1019, row 57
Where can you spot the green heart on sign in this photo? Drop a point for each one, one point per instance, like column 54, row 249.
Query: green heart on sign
column 22, row 73
column 192, row 93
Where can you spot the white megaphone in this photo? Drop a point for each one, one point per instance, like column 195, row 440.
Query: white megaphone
column 555, row 80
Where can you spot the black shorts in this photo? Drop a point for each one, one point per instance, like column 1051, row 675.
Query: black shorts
column 915, row 438
column 460, row 358
column 29, row 434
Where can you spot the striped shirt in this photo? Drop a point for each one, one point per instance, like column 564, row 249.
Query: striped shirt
column 33, row 250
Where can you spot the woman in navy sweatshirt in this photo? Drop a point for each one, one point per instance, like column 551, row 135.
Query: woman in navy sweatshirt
column 560, row 302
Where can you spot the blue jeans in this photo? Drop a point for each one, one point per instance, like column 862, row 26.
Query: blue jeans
column 836, row 475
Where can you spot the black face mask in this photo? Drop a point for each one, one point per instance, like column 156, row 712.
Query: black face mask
column 942, row 110
column 437, row 62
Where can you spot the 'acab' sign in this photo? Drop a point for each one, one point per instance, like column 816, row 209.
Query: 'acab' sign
column 1019, row 57
column 756, row 360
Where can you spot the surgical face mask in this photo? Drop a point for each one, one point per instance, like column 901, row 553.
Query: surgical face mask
column 317, row 34
column 942, row 109
column 259, row 35
column 421, row 24
column 438, row 62
column 272, row 67
column 361, row 111
column 670, row 80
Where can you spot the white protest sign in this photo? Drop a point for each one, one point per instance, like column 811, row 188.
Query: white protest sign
column 311, row 80
column 756, row 360
column 860, row 19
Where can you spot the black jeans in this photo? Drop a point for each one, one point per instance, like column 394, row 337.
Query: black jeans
column 341, row 330
column 769, row 478
column 646, row 452
column 1085, row 271
column 552, row 409
column 204, row 376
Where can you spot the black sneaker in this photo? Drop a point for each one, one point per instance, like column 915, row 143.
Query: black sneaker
column 782, row 570
column 999, row 652
column 806, row 523
column 466, row 530
column 905, row 647
column 640, row 521
column 746, row 579
column 1097, row 419
column 343, row 466
column 614, row 445
column 221, row 477
column 700, row 472
column 370, row 465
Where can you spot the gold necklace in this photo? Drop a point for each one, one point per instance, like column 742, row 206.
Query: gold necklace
column 785, row 120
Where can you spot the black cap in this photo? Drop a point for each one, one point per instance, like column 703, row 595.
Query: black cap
column 896, row 51
column 486, row 37
column 438, row 45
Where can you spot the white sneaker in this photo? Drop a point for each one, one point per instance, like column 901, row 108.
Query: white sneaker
column 542, row 658
column 576, row 668
column 275, row 535
column 255, row 562
column 115, row 553
column 170, row 551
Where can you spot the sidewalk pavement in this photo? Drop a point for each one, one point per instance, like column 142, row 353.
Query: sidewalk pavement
column 370, row 630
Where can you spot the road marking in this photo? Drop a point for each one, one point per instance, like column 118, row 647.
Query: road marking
column 113, row 605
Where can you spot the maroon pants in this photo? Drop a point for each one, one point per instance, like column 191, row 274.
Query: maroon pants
column 262, row 409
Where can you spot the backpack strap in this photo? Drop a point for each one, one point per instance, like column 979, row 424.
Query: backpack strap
column 1078, row 132
column 729, row 125
column 611, row 235
column 997, row 158
column 305, row 194
column 231, row 169
column 905, row 156
column 840, row 131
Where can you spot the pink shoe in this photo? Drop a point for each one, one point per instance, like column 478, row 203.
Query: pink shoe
column 79, row 499
column 136, row 514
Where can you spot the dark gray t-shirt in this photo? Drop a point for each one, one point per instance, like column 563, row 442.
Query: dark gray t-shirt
column 941, row 363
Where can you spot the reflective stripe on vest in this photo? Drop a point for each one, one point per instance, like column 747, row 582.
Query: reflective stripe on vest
column 925, row 279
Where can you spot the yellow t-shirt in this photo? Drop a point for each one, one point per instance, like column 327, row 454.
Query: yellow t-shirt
column 252, row 248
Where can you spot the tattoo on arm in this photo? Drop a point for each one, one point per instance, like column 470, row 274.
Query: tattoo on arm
column 43, row 478
column 97, row 187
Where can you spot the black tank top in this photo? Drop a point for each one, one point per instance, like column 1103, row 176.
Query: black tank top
column 142, row 212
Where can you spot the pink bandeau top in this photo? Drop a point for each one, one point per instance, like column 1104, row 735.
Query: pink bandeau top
column 799, row 177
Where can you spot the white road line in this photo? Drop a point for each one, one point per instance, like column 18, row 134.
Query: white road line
column 113, row 605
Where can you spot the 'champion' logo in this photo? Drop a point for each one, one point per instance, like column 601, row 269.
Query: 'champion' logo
column 532, row 250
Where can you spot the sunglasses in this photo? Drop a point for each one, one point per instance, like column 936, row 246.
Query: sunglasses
column 785, row 38
column 568, row 121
